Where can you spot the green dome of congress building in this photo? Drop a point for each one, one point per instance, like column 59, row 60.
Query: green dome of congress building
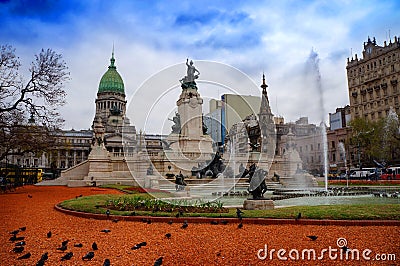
column 111, row 80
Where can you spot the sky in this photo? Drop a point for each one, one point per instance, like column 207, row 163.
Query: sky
column 279, row 38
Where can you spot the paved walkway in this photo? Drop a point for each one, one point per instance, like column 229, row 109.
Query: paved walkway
column 199, row 244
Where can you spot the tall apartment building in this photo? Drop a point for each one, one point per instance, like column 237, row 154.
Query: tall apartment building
column 228, row 111
column 373, row 80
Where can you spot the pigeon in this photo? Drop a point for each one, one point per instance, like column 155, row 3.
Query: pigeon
column 63, row 247
column 313, row 238
column 170, row 222
column 239, row 213
column 106, row 262
column 16, row 238
column 22, row 228
column 345, row 249
column 67, row 256
column 184, row 225
column 137, row 246
column 168, row 235
column 298, row 216
column 115, row 220
column 25, row 256
column 64, row 243
column 79, row 245
column 94, row 246
column 30, row 196
column 15, row 232
column 108, row 213
column 49, row 234
column 240, row 226
column 18, row 249
column 106, row 231
column 45, row 256
column 79, row 196
column 42, row 260
column 158, row 261
column 21, row 243
column 133, row 213
column 214, row 222
column 88, row 256
column 224, row 222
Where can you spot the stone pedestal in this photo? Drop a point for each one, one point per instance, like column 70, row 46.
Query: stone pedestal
column 251, row 204
column 100, row 165
column 151, row 181
column 187, row 152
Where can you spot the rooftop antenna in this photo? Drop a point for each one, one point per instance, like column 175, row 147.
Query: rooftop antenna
column 390, row 39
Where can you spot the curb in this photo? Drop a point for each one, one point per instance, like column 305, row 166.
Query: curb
column 264, row 221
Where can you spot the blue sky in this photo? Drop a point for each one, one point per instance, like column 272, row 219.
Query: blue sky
column 275, row 37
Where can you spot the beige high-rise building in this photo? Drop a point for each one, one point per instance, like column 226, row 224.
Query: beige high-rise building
column 373, row 80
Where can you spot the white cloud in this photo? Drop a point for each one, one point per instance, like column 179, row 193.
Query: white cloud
column 255, row 36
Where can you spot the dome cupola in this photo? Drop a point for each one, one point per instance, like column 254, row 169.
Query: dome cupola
column 111, row 81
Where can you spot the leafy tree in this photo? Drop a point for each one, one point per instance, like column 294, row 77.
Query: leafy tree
column 390, row 138
column 376, row 140
column 29, row 114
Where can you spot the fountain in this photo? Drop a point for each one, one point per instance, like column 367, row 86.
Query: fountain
column 313, row 64
column 342, row 151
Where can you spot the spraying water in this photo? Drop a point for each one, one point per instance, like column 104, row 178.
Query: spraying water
column 313, row 67
column 342, row 151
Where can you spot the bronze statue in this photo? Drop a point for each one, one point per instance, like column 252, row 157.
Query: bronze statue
column 257, row 186
column 191, row 74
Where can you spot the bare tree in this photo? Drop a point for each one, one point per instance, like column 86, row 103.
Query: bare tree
column 29, row 117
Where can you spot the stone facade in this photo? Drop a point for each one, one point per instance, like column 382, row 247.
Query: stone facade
column 373, row 80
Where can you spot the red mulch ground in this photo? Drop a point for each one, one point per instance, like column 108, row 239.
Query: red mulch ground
column 199, row 244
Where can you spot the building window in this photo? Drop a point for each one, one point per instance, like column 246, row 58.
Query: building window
column 319, row 146
column 334, row 157
column 312, row 147
column 333, row 144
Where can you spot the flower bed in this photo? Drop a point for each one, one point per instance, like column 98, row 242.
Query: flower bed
column 138, row 203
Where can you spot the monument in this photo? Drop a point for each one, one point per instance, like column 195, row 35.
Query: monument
column 257, row 188
column 187, row 144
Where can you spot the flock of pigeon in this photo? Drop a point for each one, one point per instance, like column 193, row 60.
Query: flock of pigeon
column 19, row 241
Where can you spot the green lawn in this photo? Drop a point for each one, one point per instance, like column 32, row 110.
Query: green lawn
column 338, row 212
